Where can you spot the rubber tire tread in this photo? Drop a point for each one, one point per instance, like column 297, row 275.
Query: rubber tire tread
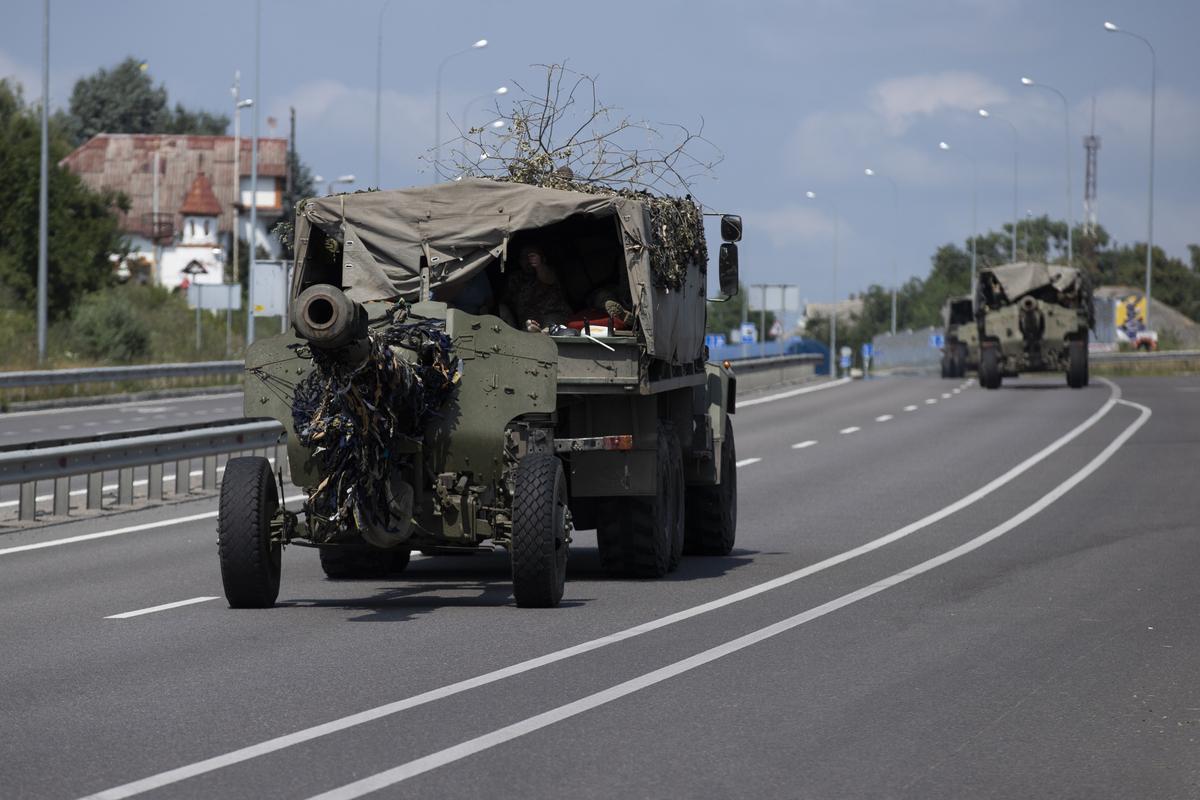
column 989, row 369
column 539, row 546
column 711, row 511
column 677, row 494
column 250, row 564
column 1077, row 376
column 345, row 562
column 636, row 540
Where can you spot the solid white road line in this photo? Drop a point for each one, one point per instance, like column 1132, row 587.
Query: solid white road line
column 471, row 747
column 802, row 445
column 793, row 393
column 883, row 417
column 745, row 462
column 851, row 429
column 163, row 607
column 379, row 712
column 146, row 526
column 910, row 408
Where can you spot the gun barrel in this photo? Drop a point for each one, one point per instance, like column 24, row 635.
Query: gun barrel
column 327, row 319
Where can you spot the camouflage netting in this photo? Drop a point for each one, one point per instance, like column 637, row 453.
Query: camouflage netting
column 353, row 417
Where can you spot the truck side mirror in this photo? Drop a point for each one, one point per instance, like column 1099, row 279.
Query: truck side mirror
column 727, row 268
column 731, row 228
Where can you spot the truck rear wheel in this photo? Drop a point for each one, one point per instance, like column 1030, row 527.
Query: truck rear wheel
column 347, row 562
column 989, row 368
column 712, row 510
column 250, row 560
column 640, row 535
column 1077, row 364
column 540, row 532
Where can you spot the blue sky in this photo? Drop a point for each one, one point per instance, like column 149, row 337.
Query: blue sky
column 797, row 96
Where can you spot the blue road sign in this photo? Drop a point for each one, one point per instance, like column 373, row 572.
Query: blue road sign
column 845, row 361
column 868, row 350
column 937, row 341
column 715, row 340
column 749, row 333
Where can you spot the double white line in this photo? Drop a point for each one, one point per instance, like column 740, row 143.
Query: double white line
column 510, row 732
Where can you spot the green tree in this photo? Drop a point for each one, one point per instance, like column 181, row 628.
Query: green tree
column 83, row 228
column 124, row 99
column 725, row 317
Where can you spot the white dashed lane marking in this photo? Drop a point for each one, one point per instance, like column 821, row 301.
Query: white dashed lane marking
column 930, row 401
column 802, row 445
column 851, row 429
column 163, row 607
column 945, row 395
column 910, row 408
column 883, row 417
column 745, row 462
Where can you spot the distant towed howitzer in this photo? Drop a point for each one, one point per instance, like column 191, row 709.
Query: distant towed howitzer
column 1033, row 317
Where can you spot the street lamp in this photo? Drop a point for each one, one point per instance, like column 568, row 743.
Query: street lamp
column 974, row 208
column 983, row 112
column 1067, row 151
column 340, row 179
column 870, row 173
column 833, row 364
column 43, row 270
column 437, row 101
column 466, row 112
column 238, row 105
column 1108, row 26
column 379, row 83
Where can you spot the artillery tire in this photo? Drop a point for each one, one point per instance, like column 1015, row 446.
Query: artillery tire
column 711, row 512
column 347, row 562
column 989, row 369
column 540, row 532
column 1077, row 364
column 250, row 561
column 637, row 539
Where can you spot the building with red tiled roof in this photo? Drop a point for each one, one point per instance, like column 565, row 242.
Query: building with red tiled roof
column 179, row 185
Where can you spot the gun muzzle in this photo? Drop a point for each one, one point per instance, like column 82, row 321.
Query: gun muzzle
column 328, row 320
column 1030, row 319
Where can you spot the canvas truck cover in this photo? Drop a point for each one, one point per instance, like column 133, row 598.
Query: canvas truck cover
column 463, row 226
column 1020, row 279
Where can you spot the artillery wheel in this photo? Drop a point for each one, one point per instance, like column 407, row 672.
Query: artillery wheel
column 541, row 530
column 712, row 510
column 1077, row 364
column 347, row 562
column 989, row 368
column 250, row 560
column 637, row 539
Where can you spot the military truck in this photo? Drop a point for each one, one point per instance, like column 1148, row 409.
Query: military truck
column 415, row 425
column 1033, row 317
column 960, row 347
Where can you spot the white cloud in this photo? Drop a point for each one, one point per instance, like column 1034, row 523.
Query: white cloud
column 27, row 77
column 1123, row 117
column 899, row 101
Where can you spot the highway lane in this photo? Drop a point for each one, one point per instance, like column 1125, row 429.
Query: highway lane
column 92, row 420
column 959, row 682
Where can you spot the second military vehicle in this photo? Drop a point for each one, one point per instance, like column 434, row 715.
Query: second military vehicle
column 413, row 424
column 960, row 348
column 1033, row 317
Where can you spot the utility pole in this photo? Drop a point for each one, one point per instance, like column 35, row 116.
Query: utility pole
column 1091, row 144
column 44, row 189
column 254, row 173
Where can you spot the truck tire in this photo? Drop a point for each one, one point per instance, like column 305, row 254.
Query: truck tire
column 677, row 488
column 946, row 365
column 347, row 562
column 989, row 368
column 540, row 532
column 1077, row 364
column 960, row 361
column 711, row 511
column 250, row 561
column 639, row 535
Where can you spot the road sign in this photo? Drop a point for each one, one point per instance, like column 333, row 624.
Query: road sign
column 215, row 296
column 937, row 341
column 715, row 340
column 845, row 360
column 868, row 350
column 777, row 330
column 749, row 333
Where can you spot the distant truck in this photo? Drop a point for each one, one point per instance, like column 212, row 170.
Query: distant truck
column 960, row 348
column 1033, row 317
column 530, row 435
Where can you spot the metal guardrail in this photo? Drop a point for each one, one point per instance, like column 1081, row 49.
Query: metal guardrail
column 1157, row 355
column 25, row 379
column 59, row 463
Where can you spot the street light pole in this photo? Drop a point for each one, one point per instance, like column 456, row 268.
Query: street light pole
column 833, row 364
column 379, row 84
column 1108, row 26
column 503, row 90
column 896, row 226
column 1067, row 152
column 254, row 175
column 43, row 271
column 437, row 102
column 238, row 105
column 974, row 209
column 983, row 112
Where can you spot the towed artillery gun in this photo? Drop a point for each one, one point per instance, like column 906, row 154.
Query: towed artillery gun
column 1033, row 317
column 413, row 424
column 960, row 349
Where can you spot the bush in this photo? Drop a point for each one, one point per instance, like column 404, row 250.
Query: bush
column 105, row 329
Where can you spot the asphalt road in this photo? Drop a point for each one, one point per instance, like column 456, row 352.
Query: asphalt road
column 935, row 594
column 78, row 421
